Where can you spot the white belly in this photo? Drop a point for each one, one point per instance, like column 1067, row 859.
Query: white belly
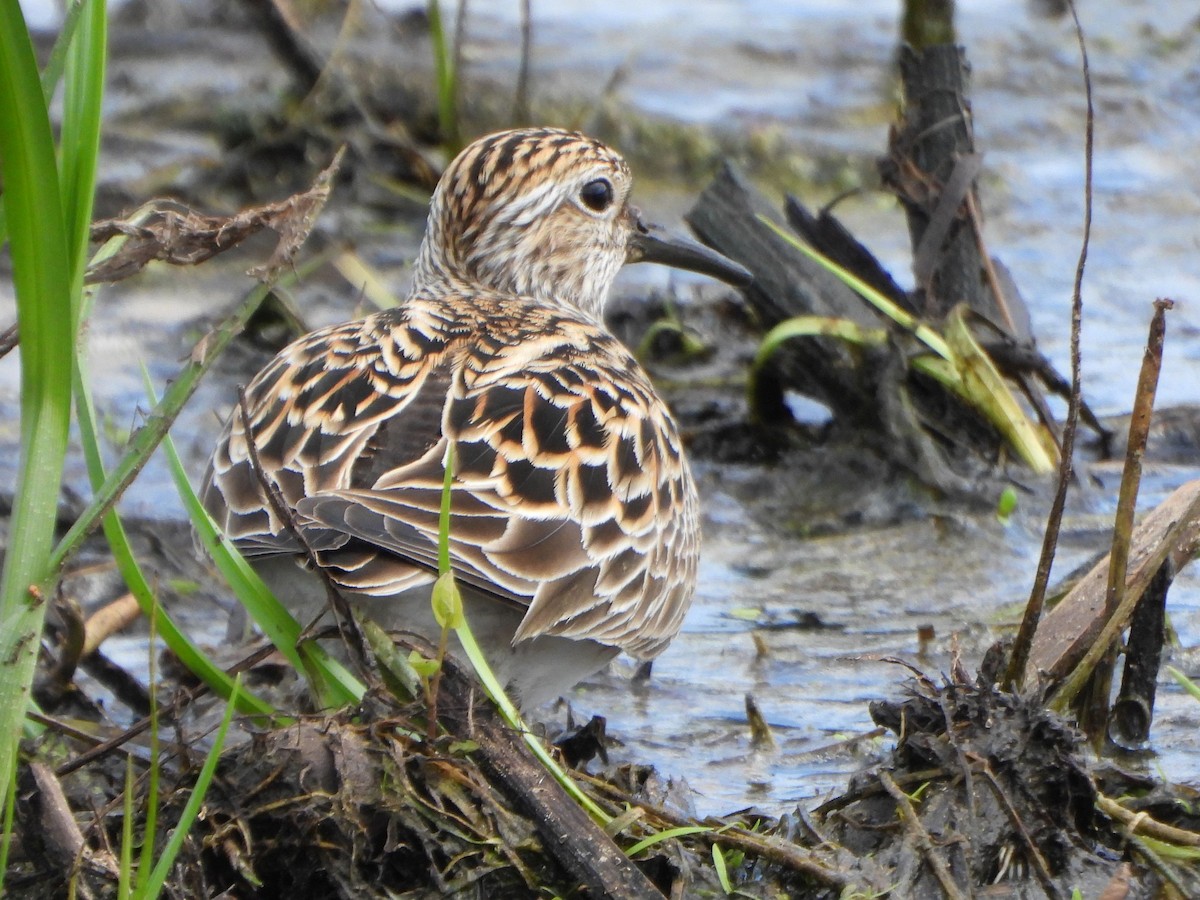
column 534, row 671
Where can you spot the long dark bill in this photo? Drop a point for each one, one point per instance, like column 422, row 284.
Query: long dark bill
column 654, row 244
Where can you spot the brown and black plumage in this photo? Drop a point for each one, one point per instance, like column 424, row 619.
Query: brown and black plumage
column 574, row 522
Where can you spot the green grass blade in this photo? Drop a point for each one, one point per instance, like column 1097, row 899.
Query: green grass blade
column 50, row 78
column 194, row 659
column 845, row 330
column 153, row 885
column 159, row 420
column 483, row 670
column 901, row 317
column 80, row 144
column 125, row 869
column 57, row 61
column 1184, row 682
column 189, row 655
column 984, row 388
column 666, row 835
column 444, row 511
column 6, row 836
column 965, row 368
column 491, row 685
column 508, row 712
column 718, row 858
column 38, row 244
column 332, row 684
column 815, row 326
column 447, row 79
column 798, row 327
column 365, row 280
column 1174, row 852
column 149, row 829
column 940, row 370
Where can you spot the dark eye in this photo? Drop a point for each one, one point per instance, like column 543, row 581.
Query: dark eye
column 597, row 195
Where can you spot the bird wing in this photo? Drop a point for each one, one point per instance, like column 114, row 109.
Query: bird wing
column 569, row 497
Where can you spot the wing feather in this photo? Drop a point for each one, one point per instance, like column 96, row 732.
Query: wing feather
column 570, row 496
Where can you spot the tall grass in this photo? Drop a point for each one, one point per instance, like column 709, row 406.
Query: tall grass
column 445, row 63
column 48, row 205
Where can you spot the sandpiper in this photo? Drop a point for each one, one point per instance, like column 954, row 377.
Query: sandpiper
column 574, row 528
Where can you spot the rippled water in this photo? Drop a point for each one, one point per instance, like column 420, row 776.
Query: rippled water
column 818, row 76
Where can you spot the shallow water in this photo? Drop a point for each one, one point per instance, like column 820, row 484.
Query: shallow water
column 818, row 77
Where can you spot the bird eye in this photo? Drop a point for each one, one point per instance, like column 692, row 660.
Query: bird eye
column 597, row 195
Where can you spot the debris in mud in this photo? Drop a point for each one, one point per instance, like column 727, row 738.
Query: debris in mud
column 983, row 788
column 183, row 237
column 361, row 804
column 330, row 807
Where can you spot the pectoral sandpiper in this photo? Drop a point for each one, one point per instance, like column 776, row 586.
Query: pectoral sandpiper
column 574, row 524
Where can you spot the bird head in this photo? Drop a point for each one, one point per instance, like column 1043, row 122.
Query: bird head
column 545, row 213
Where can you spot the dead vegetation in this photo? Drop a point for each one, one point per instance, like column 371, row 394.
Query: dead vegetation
column 983, row 788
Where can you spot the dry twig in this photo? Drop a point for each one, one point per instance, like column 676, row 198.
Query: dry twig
column 347, row 627
column 1094, row 714
column 921, row 837
column 1015, row 673
column 1143, row 824
column 174, row 234
column 1040, row 868
column 781, row 852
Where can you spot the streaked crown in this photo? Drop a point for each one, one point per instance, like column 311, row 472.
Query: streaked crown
column 539, row 212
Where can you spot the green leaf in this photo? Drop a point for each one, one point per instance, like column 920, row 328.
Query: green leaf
column 666, row 835
column 422, row 665
column 1007, row 504
column 1184, row 682
column 447, row 602
column 39, row 244
column 984, row 388
column 153, row 885
column 718, row 858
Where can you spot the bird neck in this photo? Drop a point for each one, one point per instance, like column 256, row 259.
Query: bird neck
column 437, row 270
